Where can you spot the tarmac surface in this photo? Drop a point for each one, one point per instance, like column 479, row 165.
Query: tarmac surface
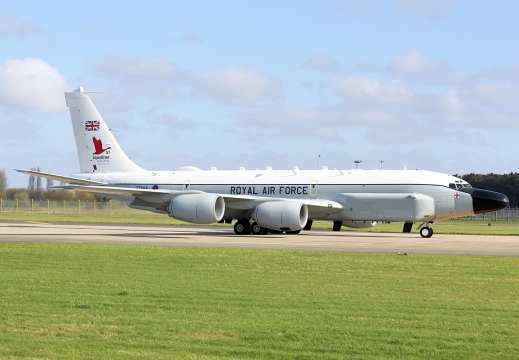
column 224, row 237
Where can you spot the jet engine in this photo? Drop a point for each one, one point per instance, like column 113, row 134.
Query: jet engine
column 359, row 224
column 281, row 215
column 197, row 208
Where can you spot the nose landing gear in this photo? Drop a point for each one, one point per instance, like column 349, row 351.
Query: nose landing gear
column 426, row 231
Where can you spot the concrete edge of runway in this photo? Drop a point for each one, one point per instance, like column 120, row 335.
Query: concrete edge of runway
column 224, row 237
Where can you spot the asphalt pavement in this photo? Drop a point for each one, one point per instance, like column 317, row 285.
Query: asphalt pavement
column 224, row 237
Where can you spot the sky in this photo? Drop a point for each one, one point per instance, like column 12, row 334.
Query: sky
column 424, row 84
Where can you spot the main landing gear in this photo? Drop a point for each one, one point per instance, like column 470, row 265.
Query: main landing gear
column 244, row 226
column 256, row 229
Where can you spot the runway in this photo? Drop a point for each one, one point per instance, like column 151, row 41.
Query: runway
column 224, row 237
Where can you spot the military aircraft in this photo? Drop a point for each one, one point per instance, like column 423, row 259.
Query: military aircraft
column 263, row 201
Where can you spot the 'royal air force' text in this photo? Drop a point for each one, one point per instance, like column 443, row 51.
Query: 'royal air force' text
column 269, row 190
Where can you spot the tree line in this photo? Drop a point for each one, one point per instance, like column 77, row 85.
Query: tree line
column 507, row 184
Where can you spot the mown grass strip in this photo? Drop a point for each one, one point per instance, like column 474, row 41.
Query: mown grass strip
column 466, row 227
column 135, row 302
column 469, row 227
column 140, row 218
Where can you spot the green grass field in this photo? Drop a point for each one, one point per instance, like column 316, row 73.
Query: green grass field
column 498, row 227
column 139, row 218
column 69, row 301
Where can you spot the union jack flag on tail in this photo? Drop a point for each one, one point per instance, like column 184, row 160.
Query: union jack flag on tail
column 92, row 125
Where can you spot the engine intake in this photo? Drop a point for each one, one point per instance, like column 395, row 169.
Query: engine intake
column 197, row 208
column 281, row 215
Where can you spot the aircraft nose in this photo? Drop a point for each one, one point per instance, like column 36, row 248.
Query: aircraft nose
column 485, row 200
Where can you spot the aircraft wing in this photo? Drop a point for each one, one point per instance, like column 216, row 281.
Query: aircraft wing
column 160, row 197
column 242, row 202
column 115, row 190
column 61, row 178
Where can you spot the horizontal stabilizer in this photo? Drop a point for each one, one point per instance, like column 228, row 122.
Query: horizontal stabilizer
column 61, row 178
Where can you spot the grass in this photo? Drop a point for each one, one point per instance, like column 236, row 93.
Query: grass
column 139, row 218
column 93, row 301
column 468, row 227
column 471, row 227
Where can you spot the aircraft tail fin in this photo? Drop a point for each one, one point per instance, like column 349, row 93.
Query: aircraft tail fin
column 98, row 151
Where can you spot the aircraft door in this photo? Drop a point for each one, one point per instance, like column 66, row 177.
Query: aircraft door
column 187, row 185
column 313, row 188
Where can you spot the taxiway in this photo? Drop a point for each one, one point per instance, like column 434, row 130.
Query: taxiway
column 224, row 237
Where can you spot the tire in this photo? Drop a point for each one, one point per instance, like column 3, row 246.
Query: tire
column 242, row 227
column 257, row 229
column 426, row 232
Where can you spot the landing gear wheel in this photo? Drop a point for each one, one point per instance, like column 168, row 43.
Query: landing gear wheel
column 426, row 232
column 293, row 232
column 257, row 229
column 242, row 227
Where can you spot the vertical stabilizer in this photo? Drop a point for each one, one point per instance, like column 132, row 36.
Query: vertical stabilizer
column 97, row 149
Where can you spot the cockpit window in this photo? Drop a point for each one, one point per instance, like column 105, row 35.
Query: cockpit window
column 459, row 185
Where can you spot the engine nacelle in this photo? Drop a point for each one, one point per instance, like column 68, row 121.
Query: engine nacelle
column 359, row 224
column 197, row 208
column 281, row 215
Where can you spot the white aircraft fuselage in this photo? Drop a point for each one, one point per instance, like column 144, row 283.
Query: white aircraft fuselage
column 372, row 195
